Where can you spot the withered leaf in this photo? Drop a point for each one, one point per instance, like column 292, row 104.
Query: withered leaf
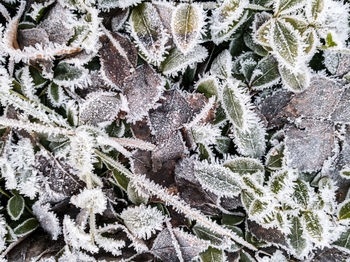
column 308, row 148
column 142, row 90
column 118, row 62
column 99, row 107
column 190, row 246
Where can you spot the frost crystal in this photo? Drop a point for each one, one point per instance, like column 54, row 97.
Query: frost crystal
column 92, row 199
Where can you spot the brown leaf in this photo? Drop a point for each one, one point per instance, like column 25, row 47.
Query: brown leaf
column 118, row 62
column 318, row 101
column 309, row 147
column 31, row 37
column 271, row 235
column 190, row 246
column 142, row 90
column 56, row 25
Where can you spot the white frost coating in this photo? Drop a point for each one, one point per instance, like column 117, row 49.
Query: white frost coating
column 143, row 221
column 76, row 237
column 3, row 233
column 92, row 199
column 47, row 219
column 110, row 244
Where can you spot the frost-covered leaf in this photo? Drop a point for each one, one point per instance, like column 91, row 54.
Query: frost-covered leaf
column 143, row 221
column 208, row 85
column 286, row 43
column 287, row 6
column 246, row 257
column 313, row 226
column 205, row 234
column 262, row 29
column 177, row 62
column 142, row 90
column 251, row 142
column 344, row 211
column 186, row 25
column 100, row 107
column 301, row 193
column 47, row 219
column 55, row 94
column 76, row 237
column 92, row 199
column 26, row 227
column 15, row 207
column 296, row 81
column 307, row 149
column 118, row 58
column 243, row 165
column 314, row 9
column 296, row 238
column 235, row 104
column 227, row 18
column 110, row 244
column 265, row 74
column 323, row 94
column 213, row 255
column 148, row 31
column 275, row 157
column 217, row 179
column 189, row 245
column 344, row 240
column 222, row 65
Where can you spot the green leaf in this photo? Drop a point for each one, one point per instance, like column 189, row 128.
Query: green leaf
column 295, row 81
column 55, row 94
column 265, row 74
column 67, row 72
column 208, row 86
column 26, row 227
column 314, row 8
column 244, row 165
column 217, row 179
column 286, row 43
column 222, row 65
column 301, row 193
column 223, row 144
column 232, row 220
column 313, row 225
column 296, row 238
column 148, row 31
column 15, row 207
column 176, row 61
column 344, row 240
column 344, row 212
column 275, row 157
column 233, row 105
column 204, row 233
column 257, row 207
column 186, row 23
column 251, row 142
column 245, row 257
column 277, row 181
column 121, row 179
column 329, row 41
column 288, row 6
column 256, row 48
column 221, row 33
column 247, row 199
column 213, row 255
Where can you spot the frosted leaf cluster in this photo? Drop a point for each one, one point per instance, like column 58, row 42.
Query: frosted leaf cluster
column 165, row 130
